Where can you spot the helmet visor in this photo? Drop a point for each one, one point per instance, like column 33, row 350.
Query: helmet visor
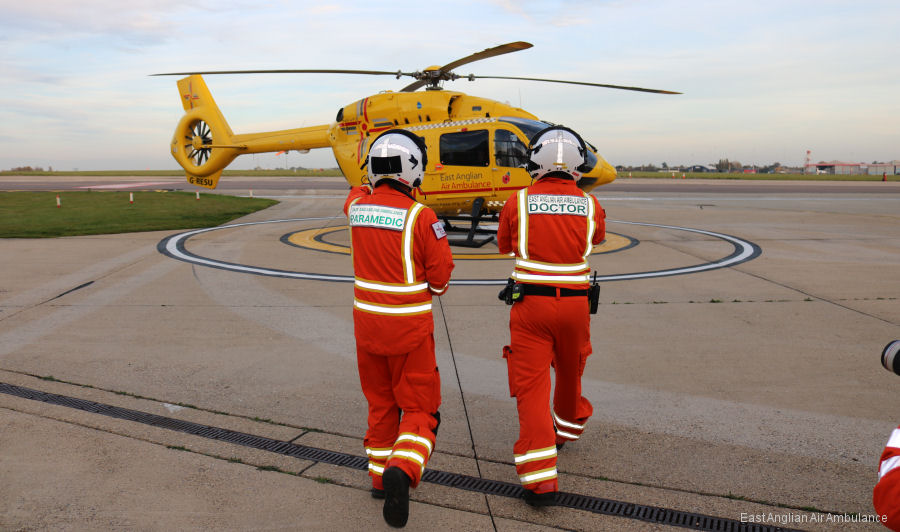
column 385, row 165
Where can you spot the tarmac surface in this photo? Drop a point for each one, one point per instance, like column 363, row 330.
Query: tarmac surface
column 751, row 393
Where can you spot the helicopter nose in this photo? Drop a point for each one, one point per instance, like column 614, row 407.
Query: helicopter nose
column 601, row 174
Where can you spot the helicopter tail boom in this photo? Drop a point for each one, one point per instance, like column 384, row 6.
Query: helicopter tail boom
column 204, row 144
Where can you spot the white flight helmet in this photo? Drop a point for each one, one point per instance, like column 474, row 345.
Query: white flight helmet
column 556, row 149
column 400, row 155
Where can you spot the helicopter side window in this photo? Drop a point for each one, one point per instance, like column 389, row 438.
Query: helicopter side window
column 509, row 150
column 466, row 148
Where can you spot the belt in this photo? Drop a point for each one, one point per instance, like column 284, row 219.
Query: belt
column 551, row 291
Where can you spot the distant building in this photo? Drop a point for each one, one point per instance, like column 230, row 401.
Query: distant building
column 890, row 168
column 700, row 168
column 845, row 168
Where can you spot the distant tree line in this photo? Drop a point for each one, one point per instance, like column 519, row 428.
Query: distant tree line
column 29, row 169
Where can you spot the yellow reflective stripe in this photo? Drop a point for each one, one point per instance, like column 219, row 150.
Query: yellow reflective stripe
column 522, row 197
column 538, row 475
column 519, row 276
column 396, row 288
column 567, row 424
column 409, row 269
column 407, row 436
column 591, row 225
column 537, row 454
column 398, row 310
column 550, row 267
column 409, row 455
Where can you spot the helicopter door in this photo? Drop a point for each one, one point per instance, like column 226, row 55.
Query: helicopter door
column 510, row 155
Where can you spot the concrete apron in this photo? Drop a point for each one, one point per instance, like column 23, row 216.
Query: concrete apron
column 737, row 393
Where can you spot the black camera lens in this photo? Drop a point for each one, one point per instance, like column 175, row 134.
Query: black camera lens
column 889, row 358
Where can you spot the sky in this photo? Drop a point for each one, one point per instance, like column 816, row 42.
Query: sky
column 763, row 81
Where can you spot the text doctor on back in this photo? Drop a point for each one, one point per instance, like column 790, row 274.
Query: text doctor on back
column 551, row 227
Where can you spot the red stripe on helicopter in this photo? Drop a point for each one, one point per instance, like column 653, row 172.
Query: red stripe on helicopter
column 467, row 190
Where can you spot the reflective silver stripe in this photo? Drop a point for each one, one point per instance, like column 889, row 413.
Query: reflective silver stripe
column 894, row 440
column 567, row 434
column 398, row 310
column 412, row 455
column 541, row 475
column 564, row 423
column 888, row 465
column 548, row 267
column 535, row 455
column 395, row 288
column 413, row 438
column 409, row 266
column 551, row 278
column 439, row 291
column 522, row 197
column 379, row 453
column 591, row 226
column 376, row 468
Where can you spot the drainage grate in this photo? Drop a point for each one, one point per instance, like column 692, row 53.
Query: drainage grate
column 596, row 505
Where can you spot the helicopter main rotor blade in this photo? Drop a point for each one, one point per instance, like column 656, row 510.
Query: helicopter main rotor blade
column 484, row 54
column 490, row 52
column 640, row 89
column 290, row 71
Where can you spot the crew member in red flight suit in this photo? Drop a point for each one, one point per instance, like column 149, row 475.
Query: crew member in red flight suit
column 401, row 258
column 886, row 495
column 551, row 228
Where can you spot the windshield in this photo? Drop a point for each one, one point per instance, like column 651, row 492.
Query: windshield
column 528, row 126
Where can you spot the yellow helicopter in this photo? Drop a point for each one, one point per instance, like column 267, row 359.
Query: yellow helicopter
column 476, row 146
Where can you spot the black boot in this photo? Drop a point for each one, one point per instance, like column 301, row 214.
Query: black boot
column 396, row 497
column 540, row 499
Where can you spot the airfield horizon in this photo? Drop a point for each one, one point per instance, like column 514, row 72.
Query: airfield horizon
column 336, row 172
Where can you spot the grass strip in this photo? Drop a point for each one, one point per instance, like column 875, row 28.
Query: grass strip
column 35, row 214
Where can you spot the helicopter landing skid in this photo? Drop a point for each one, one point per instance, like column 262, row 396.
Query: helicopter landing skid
column 473, row 219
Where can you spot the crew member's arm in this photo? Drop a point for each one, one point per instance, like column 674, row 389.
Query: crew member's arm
column 432, row 242
column 599, row 221
column 507, row 223
column 355, row 194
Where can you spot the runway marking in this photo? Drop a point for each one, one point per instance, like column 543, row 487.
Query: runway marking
column 315, row 239
column 130, row 185
column 174, row 246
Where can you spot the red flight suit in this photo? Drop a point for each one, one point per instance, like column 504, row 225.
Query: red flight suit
column 886, row 495
column 400, row 258
column 551, row 242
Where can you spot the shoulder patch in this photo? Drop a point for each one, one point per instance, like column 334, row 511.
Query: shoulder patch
column 438, row 228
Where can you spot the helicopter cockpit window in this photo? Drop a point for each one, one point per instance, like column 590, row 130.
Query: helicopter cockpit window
column 466, row 148
column 509, row 150
column 590, row 161
column 528, row 126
